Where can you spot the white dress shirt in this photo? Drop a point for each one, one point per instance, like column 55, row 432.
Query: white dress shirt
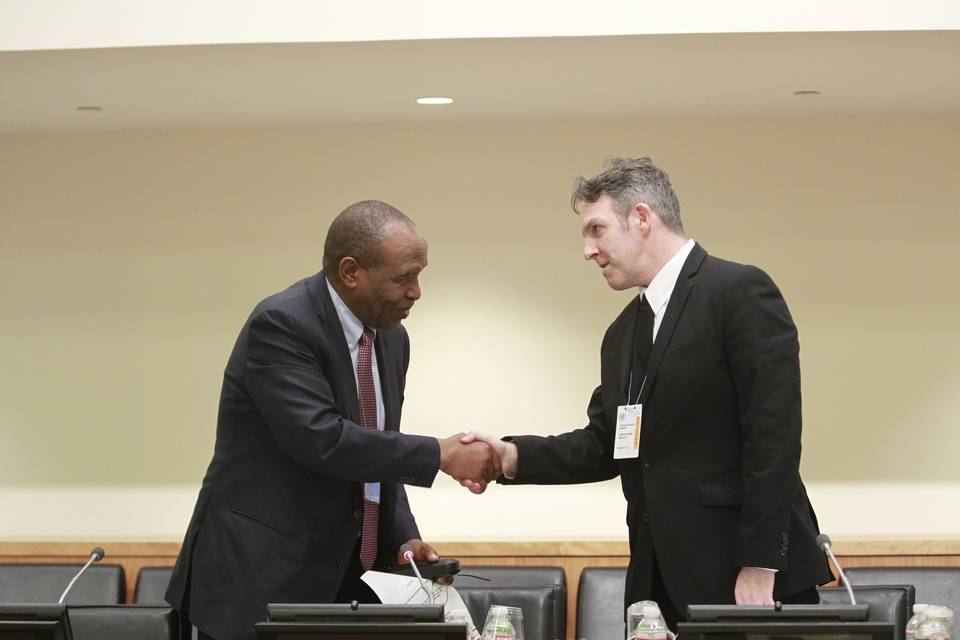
column 660, row 289
column 352, row 331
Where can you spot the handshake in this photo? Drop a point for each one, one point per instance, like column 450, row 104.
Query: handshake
column 475, row 459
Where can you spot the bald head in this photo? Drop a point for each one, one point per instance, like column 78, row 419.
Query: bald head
column 373, row 257
column 360, row 232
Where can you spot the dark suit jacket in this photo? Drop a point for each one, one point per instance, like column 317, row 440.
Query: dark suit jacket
column 717, row 484
column 280, row 508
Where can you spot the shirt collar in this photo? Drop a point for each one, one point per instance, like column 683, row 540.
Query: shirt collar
column 659, row 290
column 352, row 327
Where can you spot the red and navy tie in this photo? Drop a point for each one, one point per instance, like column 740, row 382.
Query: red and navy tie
column 368, row 418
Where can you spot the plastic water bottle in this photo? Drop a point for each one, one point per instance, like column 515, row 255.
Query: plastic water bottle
column 651, row 625
column 932, row 629
column 503, row 630
column 917, row 619
column 940, row 620
column 498, row 626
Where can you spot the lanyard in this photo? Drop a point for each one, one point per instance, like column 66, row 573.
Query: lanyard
column 630, row 387
column 636, row 336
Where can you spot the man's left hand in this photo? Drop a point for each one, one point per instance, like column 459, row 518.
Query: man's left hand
column 754, row 586
column 423, row 553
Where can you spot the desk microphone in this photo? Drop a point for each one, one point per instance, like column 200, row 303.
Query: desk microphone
column 823, row 541
column 96, row 555
column 406, row 552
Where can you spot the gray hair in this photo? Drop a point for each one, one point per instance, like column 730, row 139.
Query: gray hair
column 629, row 181
column 359, row 232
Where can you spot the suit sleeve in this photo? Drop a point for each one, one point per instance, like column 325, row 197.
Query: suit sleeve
column 285, row 379
column 581, row 455
column 405, row 525
column 763, row 354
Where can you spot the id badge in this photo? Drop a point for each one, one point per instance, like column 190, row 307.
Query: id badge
column 371, row 492
column 626, row 444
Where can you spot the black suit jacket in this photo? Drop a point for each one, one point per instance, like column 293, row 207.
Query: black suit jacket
column 280, row 508
column 717, row 483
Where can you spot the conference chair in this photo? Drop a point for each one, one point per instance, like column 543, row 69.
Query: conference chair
column 41, row 583
column 888, row 603
column 540, row 591
column 935, row 585
column 600, row 603
column 152, row 585
column 125, row 622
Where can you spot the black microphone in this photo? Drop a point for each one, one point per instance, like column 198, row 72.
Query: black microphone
column 823, row 541
column 96, row 555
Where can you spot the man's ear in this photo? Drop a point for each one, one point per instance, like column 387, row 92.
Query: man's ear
column 348, row 270
column 642, row 215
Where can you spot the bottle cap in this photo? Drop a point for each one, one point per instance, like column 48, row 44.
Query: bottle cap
column 651, row 611
column 937, row 613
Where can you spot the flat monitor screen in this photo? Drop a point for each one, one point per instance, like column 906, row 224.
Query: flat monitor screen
column 786, row 630
column 34, row 622
column 359, row 631
column 331, row 613
column 763, row 613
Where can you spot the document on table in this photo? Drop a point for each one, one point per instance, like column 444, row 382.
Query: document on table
column 396, row 589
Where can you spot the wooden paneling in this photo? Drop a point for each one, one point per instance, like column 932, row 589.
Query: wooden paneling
column 573, row 556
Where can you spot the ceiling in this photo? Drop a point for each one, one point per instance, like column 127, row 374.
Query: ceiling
column 490, row 79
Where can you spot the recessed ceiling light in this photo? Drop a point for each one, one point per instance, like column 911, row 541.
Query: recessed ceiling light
column 434, row 100
column 806, row 92
column 89, row 107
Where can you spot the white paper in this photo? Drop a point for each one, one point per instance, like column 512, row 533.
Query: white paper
column 396, row 589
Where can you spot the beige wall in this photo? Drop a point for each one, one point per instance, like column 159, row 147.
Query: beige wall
column 129, row 260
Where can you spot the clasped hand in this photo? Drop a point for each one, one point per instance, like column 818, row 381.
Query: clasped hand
column 476, row 459
column 469, row 460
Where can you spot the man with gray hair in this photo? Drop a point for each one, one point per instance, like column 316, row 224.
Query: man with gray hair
column 698, row 411
column 305, row 490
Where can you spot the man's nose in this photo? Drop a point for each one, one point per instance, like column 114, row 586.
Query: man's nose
column 414, row 293
column 589, row 250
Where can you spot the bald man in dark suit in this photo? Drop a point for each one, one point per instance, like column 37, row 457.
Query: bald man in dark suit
column 305, row 490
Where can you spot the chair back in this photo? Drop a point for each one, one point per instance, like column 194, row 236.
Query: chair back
column 40, row 583
column 600, row 603
column 151, row 585
column 541, row 592
column 934, row 585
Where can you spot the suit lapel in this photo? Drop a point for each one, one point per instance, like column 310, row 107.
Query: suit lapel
column 628, row 337
column 346, row 390
column 678, row 299
column 387, row 380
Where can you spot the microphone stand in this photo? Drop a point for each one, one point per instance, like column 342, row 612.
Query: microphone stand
column 95, row 556
column 825, row 545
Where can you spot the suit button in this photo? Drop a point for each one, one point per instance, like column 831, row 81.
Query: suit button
column 341, row 566
column 648, row 463
column 646, row 518
column 358, row 514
